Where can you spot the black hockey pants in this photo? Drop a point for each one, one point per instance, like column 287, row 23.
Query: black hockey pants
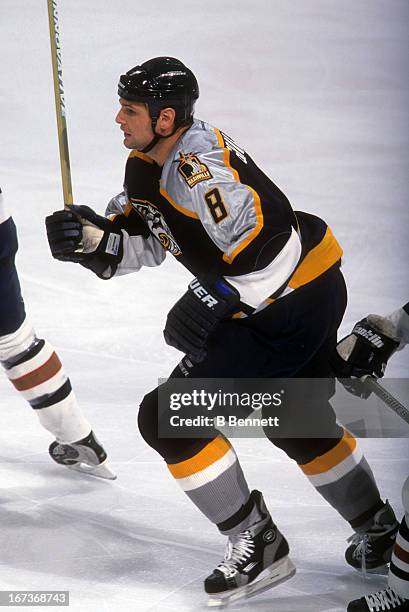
column 292, row 337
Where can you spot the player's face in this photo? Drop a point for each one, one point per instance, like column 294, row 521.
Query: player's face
column 135, row 122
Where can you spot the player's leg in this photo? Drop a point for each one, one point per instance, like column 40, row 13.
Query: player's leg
column 399, row 569
column 329, row 456
column 338, row 470
column 34, row 368
column 396, row 596
column 209, row 472
column 207, row 469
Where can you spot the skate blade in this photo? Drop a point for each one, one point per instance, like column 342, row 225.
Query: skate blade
column 382, row 570
column 272, row 576
column 98, row 471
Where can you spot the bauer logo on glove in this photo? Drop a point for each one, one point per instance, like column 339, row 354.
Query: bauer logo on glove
column 198, row 312
column 202, row 294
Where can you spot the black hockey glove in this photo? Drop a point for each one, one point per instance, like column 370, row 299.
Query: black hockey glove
column 364, row 352
column 80, row 235
column 193, row 318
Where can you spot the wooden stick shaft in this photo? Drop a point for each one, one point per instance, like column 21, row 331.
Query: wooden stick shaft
column 59, row 102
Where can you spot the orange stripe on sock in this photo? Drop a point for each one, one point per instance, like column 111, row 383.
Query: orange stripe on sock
column 38, row 376
column 333, row 457
column 215, row 450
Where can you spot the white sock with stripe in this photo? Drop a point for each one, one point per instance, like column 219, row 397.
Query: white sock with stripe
column 398, row 578
column 35, row 370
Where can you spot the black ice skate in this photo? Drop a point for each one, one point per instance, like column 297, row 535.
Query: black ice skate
column 379, row 602
column 255, row 560
column 371, row 551
column 86, row 456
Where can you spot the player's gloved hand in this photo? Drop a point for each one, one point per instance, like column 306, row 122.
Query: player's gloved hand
column 194, row 317
column 364, row 352
column 80, row 235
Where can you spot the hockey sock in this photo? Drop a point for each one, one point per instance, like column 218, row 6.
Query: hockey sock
column 35, row 370
column 398, row 578
column 249, row 514
column 214, row 481
column 343, row 477
column 399, row 568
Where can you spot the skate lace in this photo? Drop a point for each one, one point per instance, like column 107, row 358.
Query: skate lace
column 363, row 548
column 236, row 553
column 382, row 600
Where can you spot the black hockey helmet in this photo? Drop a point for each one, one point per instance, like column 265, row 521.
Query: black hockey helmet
column 161, row 82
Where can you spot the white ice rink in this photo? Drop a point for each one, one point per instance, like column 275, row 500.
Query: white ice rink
column 317, row 92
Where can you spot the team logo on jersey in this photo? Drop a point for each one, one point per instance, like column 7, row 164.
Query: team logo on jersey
column 157, row 225
column 192, row 169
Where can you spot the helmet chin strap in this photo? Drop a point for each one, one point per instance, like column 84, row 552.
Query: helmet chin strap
column 152, row 143
column 156, row 137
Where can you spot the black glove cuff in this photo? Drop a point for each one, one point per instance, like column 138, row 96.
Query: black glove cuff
column 215, row 295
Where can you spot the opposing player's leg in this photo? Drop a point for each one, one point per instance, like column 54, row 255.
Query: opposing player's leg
column 396, row 596
column 399, row 570
column 36, row 372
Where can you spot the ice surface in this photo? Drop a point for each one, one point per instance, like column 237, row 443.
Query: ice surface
column 317, row 92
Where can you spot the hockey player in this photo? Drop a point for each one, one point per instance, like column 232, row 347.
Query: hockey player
column 365, row 352
column 35, row 370
column 267, row 301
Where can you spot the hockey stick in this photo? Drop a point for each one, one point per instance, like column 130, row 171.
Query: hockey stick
column 387, row 398
column 59, row 102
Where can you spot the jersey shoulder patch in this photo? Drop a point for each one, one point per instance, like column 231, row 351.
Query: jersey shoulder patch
column 192, row 169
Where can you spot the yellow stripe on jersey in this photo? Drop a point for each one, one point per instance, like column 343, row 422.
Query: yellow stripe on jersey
column 259, row 225
column 318, row 260
column 181, row 209
column 141, row 156
column 332, row 458
column 256, row 198
column 239, row 315
column 128, row 209
column 226, row 153
column 211, row 453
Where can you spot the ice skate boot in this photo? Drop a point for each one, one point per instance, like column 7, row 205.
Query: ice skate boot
column 86, row 456
column 370, row 552
column 255, row 560
column 379, row 602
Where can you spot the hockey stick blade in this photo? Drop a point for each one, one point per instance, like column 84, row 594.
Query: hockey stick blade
column 387, row 398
